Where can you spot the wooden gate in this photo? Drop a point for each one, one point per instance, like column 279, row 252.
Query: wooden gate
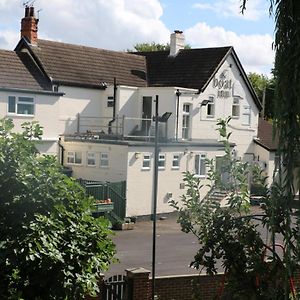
column 114, row 288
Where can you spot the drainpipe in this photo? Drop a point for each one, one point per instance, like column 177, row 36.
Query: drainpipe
column 114, row 106
column 62, row 151
column 177, row 113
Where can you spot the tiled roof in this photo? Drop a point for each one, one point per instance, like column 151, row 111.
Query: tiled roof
column 265, row 135
column 17, row 71
column 87, row 66
column 190, row 68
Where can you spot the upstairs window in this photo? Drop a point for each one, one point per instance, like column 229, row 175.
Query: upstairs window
column 236, row 107
column 200, row 165
column 210, row 107
column 110, row 101
column 21, row 105
column 104, row 160
column 247, row 115
column 186, row 121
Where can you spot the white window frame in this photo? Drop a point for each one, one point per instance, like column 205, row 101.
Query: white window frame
column 202, row 159
column 186, row 118
column 104, row 160
column 91, row 156
column 74, row 158
column 161, row 161
column 146, row 160
column 247, row 114
column 236, row 104
column 176, row 160
column 18, row 101
column 110, row 101
column 210, row 106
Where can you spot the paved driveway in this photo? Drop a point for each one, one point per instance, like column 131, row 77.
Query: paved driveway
column 174, row 252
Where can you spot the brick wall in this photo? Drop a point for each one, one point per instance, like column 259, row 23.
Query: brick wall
column 185, row 287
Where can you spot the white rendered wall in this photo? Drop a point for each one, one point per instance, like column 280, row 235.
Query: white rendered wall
column 46, row 111
column 263, row 155
column 116, row 170
column 140, row 182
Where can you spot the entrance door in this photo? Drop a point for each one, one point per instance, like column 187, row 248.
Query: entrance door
column 146, row 114
column 222, row 170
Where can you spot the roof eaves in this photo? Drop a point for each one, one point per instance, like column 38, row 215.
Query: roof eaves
column 29, row 91
column 264, row 146
column 245, row 77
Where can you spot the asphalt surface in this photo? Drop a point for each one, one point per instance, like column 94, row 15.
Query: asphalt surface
column 174, row 249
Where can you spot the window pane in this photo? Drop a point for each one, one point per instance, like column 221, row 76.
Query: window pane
column 25, row 109
column 110, row 101
column 11, row 104
column 104, row 160
column 146, row 162
column 175, row 162
column 235, row 110
column 70, row 158
column 200, row 164
column 91, row 159
column 26, row 99
column 161, row 161
column 78, row 157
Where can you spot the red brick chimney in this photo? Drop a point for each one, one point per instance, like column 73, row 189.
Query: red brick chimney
column 29, row 26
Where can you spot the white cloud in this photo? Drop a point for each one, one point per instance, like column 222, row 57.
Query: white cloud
column 255, row 51
column 119, row 24
column 8, row 39
column 230, row 8
column 114, row 24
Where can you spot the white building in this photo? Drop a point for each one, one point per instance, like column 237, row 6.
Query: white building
column 101, row 103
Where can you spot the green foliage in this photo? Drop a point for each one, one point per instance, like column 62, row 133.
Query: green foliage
column 149, row 47
column 228, row 234
column 264, row 89
column 50, row 245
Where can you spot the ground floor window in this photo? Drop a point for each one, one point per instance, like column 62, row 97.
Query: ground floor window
column 200, row 164
column 74, row 157
column 161, row 161
column 146, row 161
column 91, row 159
column 175, row 161
column 104, row 160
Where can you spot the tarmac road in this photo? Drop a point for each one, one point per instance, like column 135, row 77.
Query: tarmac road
column 174, row 249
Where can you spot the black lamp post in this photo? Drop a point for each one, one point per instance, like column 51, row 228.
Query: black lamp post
column 155, row 185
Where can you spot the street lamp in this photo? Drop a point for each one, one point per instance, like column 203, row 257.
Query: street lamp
column 163, row 119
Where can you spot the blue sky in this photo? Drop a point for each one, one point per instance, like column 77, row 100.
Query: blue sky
column 120, row 24
column 186, row 13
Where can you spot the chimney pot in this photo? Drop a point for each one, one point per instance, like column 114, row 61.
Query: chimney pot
column 27, row 11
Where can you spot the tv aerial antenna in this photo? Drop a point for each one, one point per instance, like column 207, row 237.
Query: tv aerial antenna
column 28, row 3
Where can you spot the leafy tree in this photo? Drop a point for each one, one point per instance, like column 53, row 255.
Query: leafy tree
column 50, row 245
column 264, row 89
column 148, row 47
column 253, row 268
